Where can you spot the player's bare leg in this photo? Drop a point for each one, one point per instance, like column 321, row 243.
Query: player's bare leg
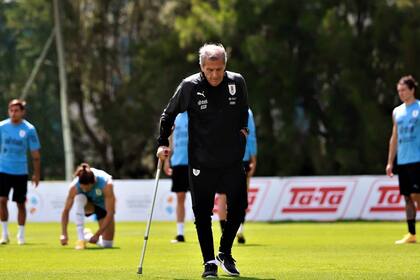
column 180, row 217
column 222, row 210
column 4, row 217
column 410, row 211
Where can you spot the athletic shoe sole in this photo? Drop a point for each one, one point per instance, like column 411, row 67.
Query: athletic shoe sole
column 221, row 264
column 176, row 240
column 398, row 242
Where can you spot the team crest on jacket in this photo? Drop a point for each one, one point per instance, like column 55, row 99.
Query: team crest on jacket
column 415, row 113
column 22, row 133
column 232, row 89
column 98, row 192
column 196, row 172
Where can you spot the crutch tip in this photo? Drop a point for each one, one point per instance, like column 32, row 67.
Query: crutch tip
column 140, row 270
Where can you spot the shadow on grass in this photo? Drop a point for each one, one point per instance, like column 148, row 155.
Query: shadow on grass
column 101, row 248
column 89, row 248
column 326, row 222
column 29, row 244
column 252, row 245
column 245, row 278
column 230, row 277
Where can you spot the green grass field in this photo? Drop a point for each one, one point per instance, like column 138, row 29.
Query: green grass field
column 345, row 250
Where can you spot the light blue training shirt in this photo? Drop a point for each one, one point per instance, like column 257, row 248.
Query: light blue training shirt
column 96, row 194
column 408, row 126
column 15, row 140
column 251, row 140
column 180, row 140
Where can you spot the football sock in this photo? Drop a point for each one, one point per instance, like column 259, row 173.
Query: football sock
column 21, row 231
column 5, row 229
column 241, row 229
column 412, row 226
column 80, row 201
column 107, row 243
column 180, row 228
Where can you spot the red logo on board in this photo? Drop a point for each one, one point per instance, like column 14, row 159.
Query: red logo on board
column 389, row 200
column 252, row 197
column 315, row 199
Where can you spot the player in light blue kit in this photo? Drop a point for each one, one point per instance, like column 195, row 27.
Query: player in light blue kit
column 17, row 136
column 91, row 192
column 177, row 167
column 250, row 164
column 405, row 143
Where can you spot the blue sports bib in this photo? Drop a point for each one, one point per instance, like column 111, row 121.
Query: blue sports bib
column 96, row 194
column 15, row 140
column 408, row 126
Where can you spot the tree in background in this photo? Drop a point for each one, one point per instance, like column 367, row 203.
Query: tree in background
column 24, row 29
column 321, row 76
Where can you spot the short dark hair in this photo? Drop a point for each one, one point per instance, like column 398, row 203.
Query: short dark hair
column 85, row 174
column 18, row 102
column 409, row 81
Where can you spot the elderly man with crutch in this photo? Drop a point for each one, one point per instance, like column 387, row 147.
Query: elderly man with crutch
column 217, row 105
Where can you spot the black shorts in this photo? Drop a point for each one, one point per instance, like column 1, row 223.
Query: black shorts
column 409, row 178
column 19, row 183
column 180, row 182
column 99, row 212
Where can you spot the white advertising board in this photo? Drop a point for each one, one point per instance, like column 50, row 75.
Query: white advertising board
column 269, row 198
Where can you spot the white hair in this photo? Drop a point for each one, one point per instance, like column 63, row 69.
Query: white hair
column 212, row 52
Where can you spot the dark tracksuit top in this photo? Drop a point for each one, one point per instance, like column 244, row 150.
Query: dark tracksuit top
column 216, row 116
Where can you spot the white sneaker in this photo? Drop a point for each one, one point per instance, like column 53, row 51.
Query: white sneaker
column 20, row 240
column 4, row 240
column 100, row 241
column 87, row 234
